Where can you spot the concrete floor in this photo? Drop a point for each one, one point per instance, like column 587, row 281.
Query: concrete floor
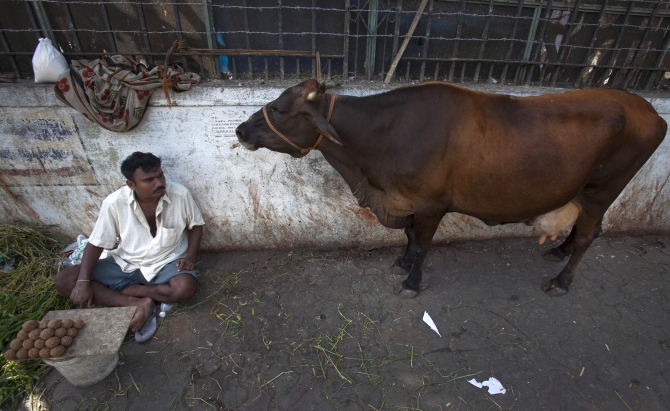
column 322, row 330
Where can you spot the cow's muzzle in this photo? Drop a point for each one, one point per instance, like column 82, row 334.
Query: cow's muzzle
column 242, row 137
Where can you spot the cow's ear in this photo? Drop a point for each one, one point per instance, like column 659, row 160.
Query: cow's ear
column 316, row 95
column 326, row 129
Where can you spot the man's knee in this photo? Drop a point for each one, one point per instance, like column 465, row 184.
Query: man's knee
column 183, row 287
column 65, row 279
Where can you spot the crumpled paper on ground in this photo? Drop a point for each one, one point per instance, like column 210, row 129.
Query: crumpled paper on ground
column 495, row 387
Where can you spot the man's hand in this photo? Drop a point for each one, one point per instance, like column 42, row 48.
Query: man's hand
column 82, row 294
column 185, row 264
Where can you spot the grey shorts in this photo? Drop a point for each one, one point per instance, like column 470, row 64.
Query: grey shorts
column 108, row 273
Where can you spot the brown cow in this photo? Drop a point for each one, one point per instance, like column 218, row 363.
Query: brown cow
column 416, row 153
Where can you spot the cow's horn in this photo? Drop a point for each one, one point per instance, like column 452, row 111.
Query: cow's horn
column 332, row 85
column 312, row 96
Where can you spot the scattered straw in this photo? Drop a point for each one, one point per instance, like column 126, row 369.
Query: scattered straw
column 26, row 293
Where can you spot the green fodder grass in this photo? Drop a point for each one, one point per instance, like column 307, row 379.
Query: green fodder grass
column 26, row 293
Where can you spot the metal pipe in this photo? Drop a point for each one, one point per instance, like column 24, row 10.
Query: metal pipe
column 371, row 40
column 396, row 29
column 645, row 33
column 508, row 56
column 345, row 46
column 541, row 38
column 458, row 39
column 44, row 21
column 314, row 63
column 108, row 26
column 177, row 22
column 73, row 29
column 615, row 49
column 424, row 52
column 521, row 70
column 145, row 34
column 12, row 59
column 386, row 30
column 659, row 61
column 280, row 28
column 564, row 44
column 601, row 16
column 208, row 17
column 31, row 16
column 485, row 36
column 247, row 41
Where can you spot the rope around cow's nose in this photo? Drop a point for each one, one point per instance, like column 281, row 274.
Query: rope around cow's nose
column 302, row 150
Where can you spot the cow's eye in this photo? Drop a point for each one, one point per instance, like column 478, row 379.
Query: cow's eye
column 276, row 110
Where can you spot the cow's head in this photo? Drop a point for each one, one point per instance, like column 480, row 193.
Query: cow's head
column 299, row 114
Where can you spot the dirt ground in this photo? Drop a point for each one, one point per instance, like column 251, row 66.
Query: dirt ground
column 322, row 330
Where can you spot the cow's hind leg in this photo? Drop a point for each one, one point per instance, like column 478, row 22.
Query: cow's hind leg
column 422, row 232
column 557, row 254
column 586, row 230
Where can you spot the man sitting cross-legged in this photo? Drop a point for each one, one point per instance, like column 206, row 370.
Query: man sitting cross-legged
column 159, row 228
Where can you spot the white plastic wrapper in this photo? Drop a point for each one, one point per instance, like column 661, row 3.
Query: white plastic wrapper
column 48, row 63
column 495, row 387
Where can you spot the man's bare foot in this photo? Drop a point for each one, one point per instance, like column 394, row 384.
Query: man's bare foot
column 142, row 313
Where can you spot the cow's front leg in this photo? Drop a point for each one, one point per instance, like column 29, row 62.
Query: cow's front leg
column 423, row 229
column 403, row 264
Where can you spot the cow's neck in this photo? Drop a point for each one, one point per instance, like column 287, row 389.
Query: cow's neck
column 354, row 162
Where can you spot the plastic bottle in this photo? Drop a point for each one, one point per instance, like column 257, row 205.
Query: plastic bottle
column 166, row 308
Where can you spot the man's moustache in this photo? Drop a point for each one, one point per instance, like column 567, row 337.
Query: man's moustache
column 159, row 189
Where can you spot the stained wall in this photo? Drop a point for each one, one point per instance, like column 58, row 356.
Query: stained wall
column 56, row 167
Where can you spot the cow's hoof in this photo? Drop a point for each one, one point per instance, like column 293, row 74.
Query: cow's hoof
column 553, row 289
column 405, row 293
column 399, row 263
column 398, row 271
column 554, row 255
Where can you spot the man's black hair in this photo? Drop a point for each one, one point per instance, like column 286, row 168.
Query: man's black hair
column 146, row 161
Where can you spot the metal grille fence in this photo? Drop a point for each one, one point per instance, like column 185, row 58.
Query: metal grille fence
column 571, row 43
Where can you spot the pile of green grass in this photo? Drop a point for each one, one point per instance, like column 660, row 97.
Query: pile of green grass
column 26, row 293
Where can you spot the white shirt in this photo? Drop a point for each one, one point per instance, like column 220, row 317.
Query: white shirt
column 121, row 216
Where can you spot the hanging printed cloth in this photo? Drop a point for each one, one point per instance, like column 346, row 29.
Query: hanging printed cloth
column 114, row 91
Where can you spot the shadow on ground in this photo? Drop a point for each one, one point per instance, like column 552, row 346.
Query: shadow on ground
column 322, row 330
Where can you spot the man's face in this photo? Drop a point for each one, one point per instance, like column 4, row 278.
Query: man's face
column 148, row 186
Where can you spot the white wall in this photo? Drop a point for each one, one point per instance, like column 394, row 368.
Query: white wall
column 56, row 167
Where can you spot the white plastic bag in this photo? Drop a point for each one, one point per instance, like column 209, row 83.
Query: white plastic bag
column 78, row 252
column 48, row 63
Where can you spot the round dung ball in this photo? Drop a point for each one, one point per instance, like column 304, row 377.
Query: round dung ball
column 28, row 344
column 22, row 354
column 34, row 334
column 10, row 355
column 78, row 324
column 57, row 351
column 39, row 344
column 44, row 352
column 59, row 332
column 54, row 324
column 22, row 335
column 47, row 333
column 72, row 332
column 43, row 324
column 16, row 344
column 52, row 342
column 34, row 353
column 66, row 341
column 29, row 325
column 67, row 323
